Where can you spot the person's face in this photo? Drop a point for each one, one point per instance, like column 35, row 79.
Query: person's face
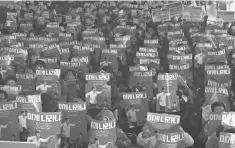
column 97, row 142
column 23, row 114
column 67, row 121
column 164, row 90
column 105, row 102
column 70, row 76
column 80, row 136
column 39, row 66
column 2, row 98
column 31, row 35
column 132, row 107
column 38, row 135
column 94, row 89
column 11, row 82
column 219, row 109
column 153, row 71
column 226, row 26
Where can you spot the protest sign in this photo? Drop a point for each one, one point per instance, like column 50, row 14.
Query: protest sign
column 168, row 129
column 48, row 78
column 51, row 51
column 214, row 122
column 48, row 124
column 11, row 90
column 141, row 81
column 51, row 63
column 139, row 100
column 176, row 9
column 27, row 81
column 6, row 67
column 193, row 13
column 226, row 140
column 104, row 131
column 11, row 19
column 226, row 16
column 219, row 57
column 97, row 85
column 30, row 103
column 214, row 94
column 167, row 83
column 14, row 144
column 76, row 67
column 219, row 73
column 161, row 15
column 76, row 112
column 8, row 120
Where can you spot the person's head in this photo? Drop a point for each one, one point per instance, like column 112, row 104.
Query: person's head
column 217, row 107
column 11, row 80
column 3, row 96
column 93, row 88
column 226, row 25
column 81, row 135
column 40, row 65
column 23, row 113
column 163, row 90
column 37, row 134
column 96, row 140
column 138, row 84
column 13, row 137
column 66, row 120
column 70, row 75
column 132, row 107
column 105, row 102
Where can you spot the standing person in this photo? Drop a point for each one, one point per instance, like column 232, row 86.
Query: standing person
column 92, row 96
column 65, row 129
column 81, row 141
column 162, row 97
column 23, row 125
column 37, row 140
column 138, row 87
column 3, row 126
column 131, row 115
column 43, row 88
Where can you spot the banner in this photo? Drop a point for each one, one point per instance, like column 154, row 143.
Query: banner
column 176, row 9
column 104, row 132
column 139, row 100
column 214, row 94
column 226, row 140
column 12, row 91
column 143, row 80
column 226, row 16
column 14, row 144
column 48, row 78
column 169, row 133
column 9, row 113
column 218, row 57
column 31, row 103
column 219, row 73
column 193, row 13
column 48, row 124
column 97, row 90
column 214, row 122
column 27, row 81
column 167, row 81
column 76, row 112
column 160, row 15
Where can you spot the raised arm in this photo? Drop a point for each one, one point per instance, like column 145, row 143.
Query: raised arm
column 88, row 94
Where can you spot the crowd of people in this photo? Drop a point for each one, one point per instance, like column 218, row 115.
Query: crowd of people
column 155, row 74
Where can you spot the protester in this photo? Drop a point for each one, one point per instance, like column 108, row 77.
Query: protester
column 143, row 59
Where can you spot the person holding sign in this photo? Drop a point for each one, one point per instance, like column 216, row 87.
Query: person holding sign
column 3, row 126
column 37, row 140
column 92, row 96
column 23, row 125
column 43, row 87
column 131, row 115
column 162, row 97
column 65, row 129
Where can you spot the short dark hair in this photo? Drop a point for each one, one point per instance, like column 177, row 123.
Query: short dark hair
column 5, row 93
column 105, row 101
column 10, row 78
column 216, row 104
column 96, row 139
column 40, row 62
column 67, row 118
column 81, row 134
